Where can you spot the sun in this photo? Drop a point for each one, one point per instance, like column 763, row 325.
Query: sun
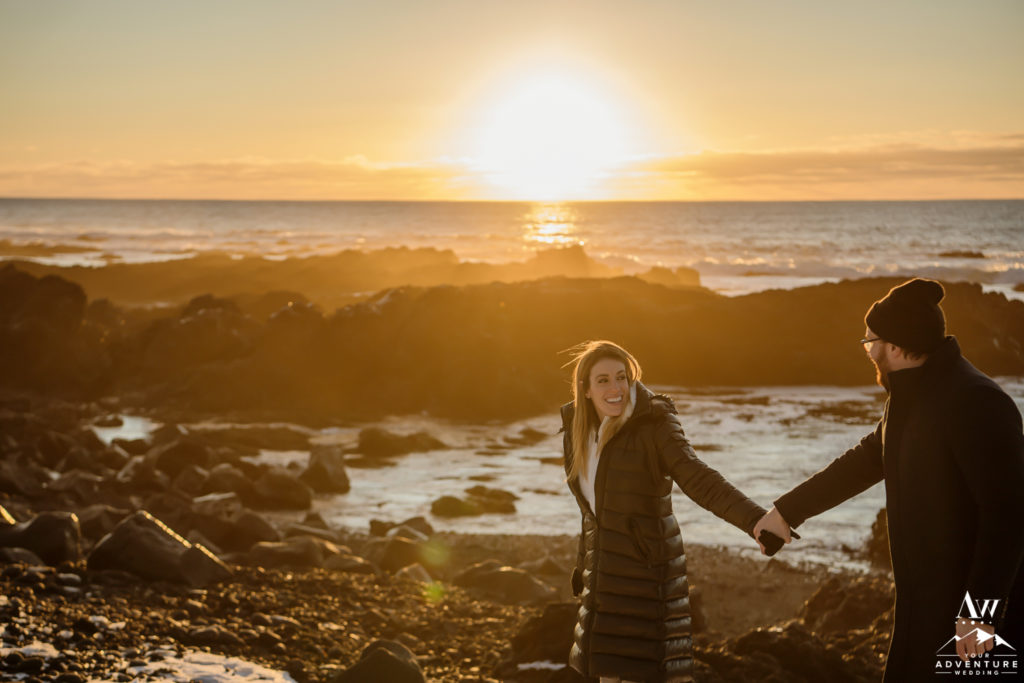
column 552, row 136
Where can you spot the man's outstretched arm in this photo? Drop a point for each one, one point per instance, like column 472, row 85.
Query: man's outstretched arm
column 854, row 471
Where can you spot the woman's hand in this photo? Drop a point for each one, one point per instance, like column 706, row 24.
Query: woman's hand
column 773, row 523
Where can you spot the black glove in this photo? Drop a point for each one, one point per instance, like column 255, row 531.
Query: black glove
column 772, row 543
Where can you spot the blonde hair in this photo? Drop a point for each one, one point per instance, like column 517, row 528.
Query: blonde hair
column 585, row 420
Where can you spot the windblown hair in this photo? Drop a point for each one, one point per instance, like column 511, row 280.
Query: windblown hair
column 586, row 421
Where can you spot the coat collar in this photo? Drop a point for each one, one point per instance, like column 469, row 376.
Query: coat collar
column 938, row 362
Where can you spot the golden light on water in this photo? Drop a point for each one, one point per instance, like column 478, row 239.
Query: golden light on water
column 550, row 137
column 551, row 225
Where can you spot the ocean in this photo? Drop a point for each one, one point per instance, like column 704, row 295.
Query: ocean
column 737, row 247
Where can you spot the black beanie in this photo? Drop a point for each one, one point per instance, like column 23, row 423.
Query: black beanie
column 909, row 316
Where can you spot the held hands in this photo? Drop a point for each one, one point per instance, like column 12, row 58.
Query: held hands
column 973, row 638
column 772, row 523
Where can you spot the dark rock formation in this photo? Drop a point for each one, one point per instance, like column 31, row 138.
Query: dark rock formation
column 279, row 489
column 876, row 548
column 504, row 584
column 840, row 605
column 377, row 442
column 53, row 536
column 146, row 547
column 326, row 471
column 383, row 661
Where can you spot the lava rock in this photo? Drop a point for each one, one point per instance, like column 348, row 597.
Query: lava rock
column 383, row 661
column 297, row 552
column 279, row 489
column 143, row 545
column 326, row 471
column 844, row 605
column 505, row 584
column 54, row 536
column 377, row 442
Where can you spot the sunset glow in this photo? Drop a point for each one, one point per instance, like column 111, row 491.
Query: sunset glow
column 460, row 100
column 551, row 137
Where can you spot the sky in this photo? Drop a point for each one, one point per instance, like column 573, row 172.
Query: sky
column 480, row 99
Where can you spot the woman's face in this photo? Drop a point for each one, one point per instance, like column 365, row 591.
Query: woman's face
column 609, row 387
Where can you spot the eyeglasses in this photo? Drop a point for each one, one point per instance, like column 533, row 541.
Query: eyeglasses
column 865, row 341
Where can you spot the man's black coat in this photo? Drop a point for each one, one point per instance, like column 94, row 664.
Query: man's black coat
column 950, row 448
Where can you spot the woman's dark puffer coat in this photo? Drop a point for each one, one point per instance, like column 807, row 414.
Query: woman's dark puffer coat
column 634, row 615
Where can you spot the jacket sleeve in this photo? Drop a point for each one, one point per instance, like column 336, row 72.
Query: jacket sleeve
column 988, row 445
column 855, row 471
column 703, row 484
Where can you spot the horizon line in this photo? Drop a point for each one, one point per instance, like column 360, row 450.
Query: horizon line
column 508, row 201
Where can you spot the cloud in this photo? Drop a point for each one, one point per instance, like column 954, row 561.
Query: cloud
column 245, row 178
column 970, row 165
column 993, row 169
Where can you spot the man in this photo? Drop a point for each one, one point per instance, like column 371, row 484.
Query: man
column 950, row 448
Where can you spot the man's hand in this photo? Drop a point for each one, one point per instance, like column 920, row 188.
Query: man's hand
column 773, row 522
column 974, row 638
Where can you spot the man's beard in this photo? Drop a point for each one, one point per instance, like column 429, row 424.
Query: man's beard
column 881, row 373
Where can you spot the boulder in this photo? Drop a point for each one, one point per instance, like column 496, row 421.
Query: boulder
column 20, row 479
column 546, row 638
column 83, row 487
column 217, row 505
column 383, row 661
column 451, row 506
column 132, row 446
column 789, row 653
column 414, row 572
column 842, row 605
column 316, row 520
column 96, row 521
column 168, row 433
column 326, row 471
column 379, row 527
column 299, row 552
column 527, row 436
column 377, row 442
column 190, row 480
column 54, row 536
column 53, row 447
column 504, row 584
column 493, row 500
column 876, row 548
column 141, row 474
column 225, row 477
column 251, row 528
column 173, row 456
column 20, row 556
column 391, row 554
column 143, row 545
column 420, row 524
column 231, row 528
column 279, row 489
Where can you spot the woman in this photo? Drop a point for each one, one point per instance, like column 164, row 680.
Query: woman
column 623, row 447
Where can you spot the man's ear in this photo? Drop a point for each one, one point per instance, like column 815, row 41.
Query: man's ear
column 899, row 352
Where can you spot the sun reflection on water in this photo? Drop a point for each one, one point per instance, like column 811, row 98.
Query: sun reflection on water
column 551, row 225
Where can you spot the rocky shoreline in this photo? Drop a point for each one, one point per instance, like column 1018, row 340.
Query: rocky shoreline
column 475, row 352
column 131, row 560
